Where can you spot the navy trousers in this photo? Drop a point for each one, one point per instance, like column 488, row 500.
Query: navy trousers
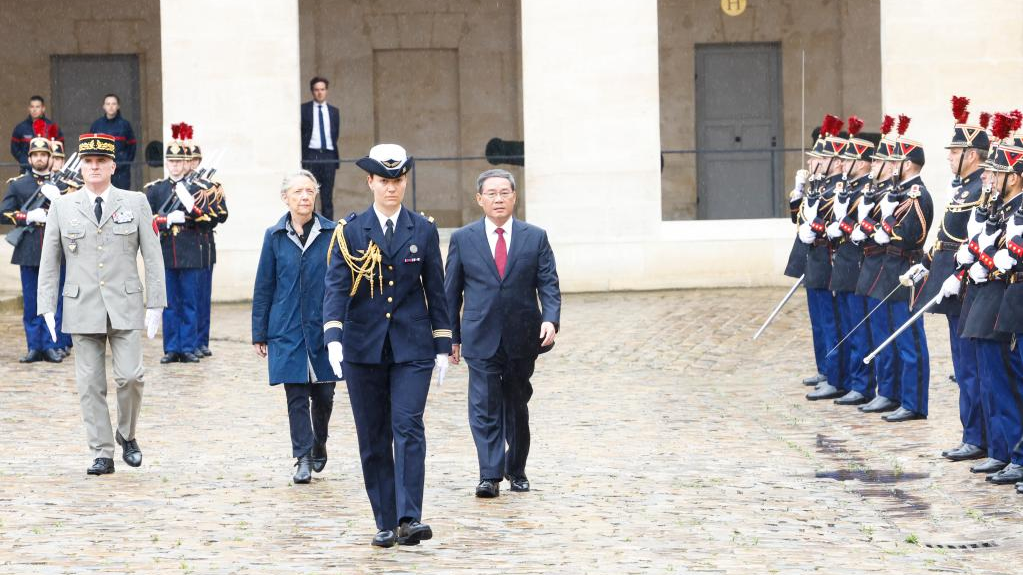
column 911, row 348
column 859, row 376
column 887, row 367
column 499, row 392
column 964, row 365
column 322, row 166
column 308, row 423
column 388, row 401
column 824, row 326
column 1001, row 388
column 205, row 298
column 181, row 316
column 37, row 337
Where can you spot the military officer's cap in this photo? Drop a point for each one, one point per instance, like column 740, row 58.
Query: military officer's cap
column 886, row 146
column 57, row 148
column 176, row 149
column 387, row 161
column 966, row 135
column 904, row 148
column 96, row 145
column 1006, row 159
column 827, row 138
column 857, row 148
column 39, row 143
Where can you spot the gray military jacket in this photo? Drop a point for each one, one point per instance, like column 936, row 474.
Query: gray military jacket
column 102, row 262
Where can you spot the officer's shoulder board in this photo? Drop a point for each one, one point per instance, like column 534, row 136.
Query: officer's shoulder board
column 914, row 192
column 154, row 182
column 349, row 218
column 428, row 218
column 11, row 180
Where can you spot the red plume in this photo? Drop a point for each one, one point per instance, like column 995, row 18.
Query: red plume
column 855, row 125
column 985, row 118
column 54, row 132
column 836, row 125
column 176, row 131
column 1001, row 126
column 959, row 111
column 903, row 124
column 39, row 128
column 188, row 132
column 831, row 125
column 886, row 124
column 1017, row 119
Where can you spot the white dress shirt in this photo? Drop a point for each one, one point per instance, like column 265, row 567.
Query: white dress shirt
column 383, row 219
column 93, row 195
column 491, row 229
column 314, row 142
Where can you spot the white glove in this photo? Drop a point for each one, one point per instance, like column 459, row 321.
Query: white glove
column 978, row 273
column 857, row 236
column 800, row 185
column 51, row 325
column 1004, row 260
column 863, row 210
column 442, row 368
column 153, row 319
column 881, row 236
column 51, row 191
column 841, row 206
column 335, row 357
column 806, row 235
column 915, row 273
column 1014, row 226
column 975, row 225
column 951, row 287
column 834, row 231
column 810, row 210
column 36, row 216
column 176, row 217
column 987, row 239
column 888, row 206
column 964, row 256
column 184, row 196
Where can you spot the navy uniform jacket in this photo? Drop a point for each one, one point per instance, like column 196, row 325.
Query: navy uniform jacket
column 30, row 246
column 796, row 265
column 941, row 259
column 907, row 228
column 818, row 257
column 1010, row 313
column 982, row 303
column 501, row 312
column 124, row 138
column 217, row 211
column 410, row 313
column 873, row 254
column 22, row 135
column 183, row 245
column 848, row 256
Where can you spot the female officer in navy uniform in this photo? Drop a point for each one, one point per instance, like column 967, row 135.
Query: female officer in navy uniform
column 386, row 326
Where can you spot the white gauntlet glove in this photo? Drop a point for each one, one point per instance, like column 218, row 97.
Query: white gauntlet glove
column 51, row 325
column 335, row 356
column 184, row 196
column 857, row 235
column 800, row 185
column 834, row 230
column 176, row 217
column 964, row 256
column 841, row 207
column 51, row 191
column 988, row 239
column 951, row 287
column 154, row 317
column 863, row 210
column 975, row 225
column 1004, row 260
column 914, row 274
column 806, row 234
column 888, row 206
column 881, row 236
column 441, row 367
column 978, row 273
column 36, row 216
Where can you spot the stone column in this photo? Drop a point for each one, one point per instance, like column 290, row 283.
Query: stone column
column 231, row 69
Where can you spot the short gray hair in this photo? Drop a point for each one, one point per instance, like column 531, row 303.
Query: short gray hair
column 289, row 180
column 495, row 173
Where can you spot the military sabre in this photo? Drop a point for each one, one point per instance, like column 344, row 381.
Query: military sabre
column 934, row 301
column 862, row 321
column 778, row 307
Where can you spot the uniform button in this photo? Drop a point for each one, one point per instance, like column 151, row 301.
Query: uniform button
column 388, row 315
column 102, row 283
column 389, row 300
column 101, row 264
column 100, row 247
column 390, row 283
column 390, row 267
column 99, row 230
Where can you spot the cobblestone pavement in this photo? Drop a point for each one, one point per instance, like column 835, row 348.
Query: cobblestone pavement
column 664, row 442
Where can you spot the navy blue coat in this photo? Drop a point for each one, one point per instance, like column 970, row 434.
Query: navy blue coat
column 22, row 135
column 124, row 138
column 410, row 313
column 184, row 245
column 501, row 312
column 306, row 112
column 287, row 312
column 30, row 246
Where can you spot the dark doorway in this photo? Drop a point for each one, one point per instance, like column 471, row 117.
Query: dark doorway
column 738, row 124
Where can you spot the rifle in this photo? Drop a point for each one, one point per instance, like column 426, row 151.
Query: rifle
column 39, row 199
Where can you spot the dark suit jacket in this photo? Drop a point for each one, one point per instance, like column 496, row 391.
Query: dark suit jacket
column 501, row 312
column 307, row 129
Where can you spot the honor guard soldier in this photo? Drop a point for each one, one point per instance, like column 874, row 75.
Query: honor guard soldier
column 967, row 153
column 177, row 217
column 999, row 365
column 25, row 131
column 847, row 259
column 817, row 214
column 214, row 207
column 25, row 205
column 386, row 327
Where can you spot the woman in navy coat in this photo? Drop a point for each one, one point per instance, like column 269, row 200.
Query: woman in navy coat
column 287, row 319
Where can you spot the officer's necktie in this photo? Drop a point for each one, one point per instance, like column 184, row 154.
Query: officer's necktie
column 98, row 209
column 389, row 233
column 500, row 252
column 323, row 131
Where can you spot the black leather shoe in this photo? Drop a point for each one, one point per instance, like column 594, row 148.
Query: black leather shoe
column 101, row 466
column 303, row 473
column 32, row 356
column 902, row 414
column 63, row 351
column 966, row 451
column 878, row 405
column 488, row 488
column 204, row 351
column 1019, row 488
column 851, row 398
column 412, row 532
column 131, row 453
column 187, row 357
column 989, row 465
column 170, row 357
column 956, row 448
column 52, row 356
column 519, row 484
column 825, row 391
column 319, row 456
column 815, row 379
column 385, row 538
column 1010, row 474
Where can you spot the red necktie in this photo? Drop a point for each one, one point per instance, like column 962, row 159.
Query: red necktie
column 500, row 253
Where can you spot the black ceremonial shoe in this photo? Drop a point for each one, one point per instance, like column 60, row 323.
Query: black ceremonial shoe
column 32, row 356
column 956, row 448
column 902, row 414
column 188, row 357
column 204, row 351
column 131, row 453
column 52, row 356
column 303, row 473
column 101, row 466
column 815, row 379
column 385, row 538
column 825, row 391
column 878, row 405
column 519, row 484
column 851, row 398
column 966, row 451
column 488, row 488
column 170, row 357
column 989, row 465
column 412, row 532
column 1011, row 474
column 319, row 456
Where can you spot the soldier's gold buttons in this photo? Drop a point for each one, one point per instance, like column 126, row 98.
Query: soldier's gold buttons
column 388, row 315
column 390, row 268
column 389, row 300
column 390, row 282
column 101, row 264
column 102, row 284
column 99, row 230
column 100, row 247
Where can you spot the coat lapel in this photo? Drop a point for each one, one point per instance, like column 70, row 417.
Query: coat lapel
column 402, row 232
column 112, row 204
column 479, row 239
column 515, row 248
column 371, row 225
column 85, row 206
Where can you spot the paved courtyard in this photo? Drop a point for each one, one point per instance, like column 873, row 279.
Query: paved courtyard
column 664, row 442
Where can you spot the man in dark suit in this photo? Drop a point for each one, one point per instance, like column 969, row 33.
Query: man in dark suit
column 321, row 123
column 501, row 268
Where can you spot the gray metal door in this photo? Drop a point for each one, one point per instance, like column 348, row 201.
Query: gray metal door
column 738, row 124
column 78, row 86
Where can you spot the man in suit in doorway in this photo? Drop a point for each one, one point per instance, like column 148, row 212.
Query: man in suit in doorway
column 321, row 124
column 503, row 270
